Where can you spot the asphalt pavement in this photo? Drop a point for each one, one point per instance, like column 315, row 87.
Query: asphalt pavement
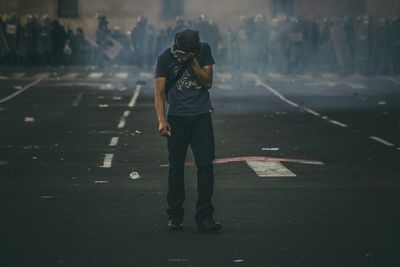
column 307, row 171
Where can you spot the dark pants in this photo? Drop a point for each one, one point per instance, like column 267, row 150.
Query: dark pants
column 196, row 131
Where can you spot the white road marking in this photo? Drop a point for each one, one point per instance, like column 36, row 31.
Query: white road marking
column 338, row 123
column 70, row 76
column 224, row 86
column 3, row 78
column 312, row 112
column 101, row 182
column 3, row 162
column 95, row 75
column 117, row 98
column 20, row 91
column 380, row 140
column 146, row 75
column 135, row 96
column 19, row 75
column 393, row 80
column 122, row 123
column 103, row 106
column 107, row 163
column 126, row 113
column 224, row 76
column 357, row 85
column 270, row 169
column 42, row 76
column 77, row 100
column 114, row 141
column 284, row 99
column 121, row 75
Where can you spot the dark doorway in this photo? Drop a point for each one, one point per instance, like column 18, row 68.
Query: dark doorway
column 172, row 8
column 68, row 8
column 283, row 7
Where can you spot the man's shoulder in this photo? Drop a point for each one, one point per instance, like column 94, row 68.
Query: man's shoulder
column 166, row 53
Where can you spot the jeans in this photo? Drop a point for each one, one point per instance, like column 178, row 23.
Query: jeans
column 196, row 131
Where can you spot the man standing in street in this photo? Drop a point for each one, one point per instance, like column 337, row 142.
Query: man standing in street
column 184, row 74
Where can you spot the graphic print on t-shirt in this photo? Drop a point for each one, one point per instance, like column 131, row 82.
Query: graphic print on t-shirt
column 187, row 81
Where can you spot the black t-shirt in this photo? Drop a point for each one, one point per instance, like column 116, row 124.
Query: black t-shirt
column 187, row 97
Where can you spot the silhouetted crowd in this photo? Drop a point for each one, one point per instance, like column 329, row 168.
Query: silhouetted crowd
column 363, row 45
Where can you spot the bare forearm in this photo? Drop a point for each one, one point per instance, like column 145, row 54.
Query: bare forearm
column 205, row 77
column 160, row 106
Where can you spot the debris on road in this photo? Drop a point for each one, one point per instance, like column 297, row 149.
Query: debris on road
column 29, row 119
column 134, row 175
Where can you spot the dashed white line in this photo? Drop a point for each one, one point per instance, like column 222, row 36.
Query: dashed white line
column 380, row 140
column 95, row 75
column 135, row 96
column 275, row 92
column 338, row 123
column 312, row 112
column 122, row 123
column 107, row 163
column 2, row 162
column 20, row 91
column 114, row 141
column 77, row 100
column 126, row 113
column 121, row 75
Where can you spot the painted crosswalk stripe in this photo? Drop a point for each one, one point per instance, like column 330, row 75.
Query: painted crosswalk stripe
column 107, row 163
column 121, row 75
column 95, row 75
column 380, row 140
column 114, row 141
column 270, row 169
column 126, row 113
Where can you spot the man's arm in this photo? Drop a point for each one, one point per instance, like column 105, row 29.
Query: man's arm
column 163, row 126
column 203, row 74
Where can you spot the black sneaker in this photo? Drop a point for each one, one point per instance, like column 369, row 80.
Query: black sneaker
column 174, row 224
column 209, row 226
